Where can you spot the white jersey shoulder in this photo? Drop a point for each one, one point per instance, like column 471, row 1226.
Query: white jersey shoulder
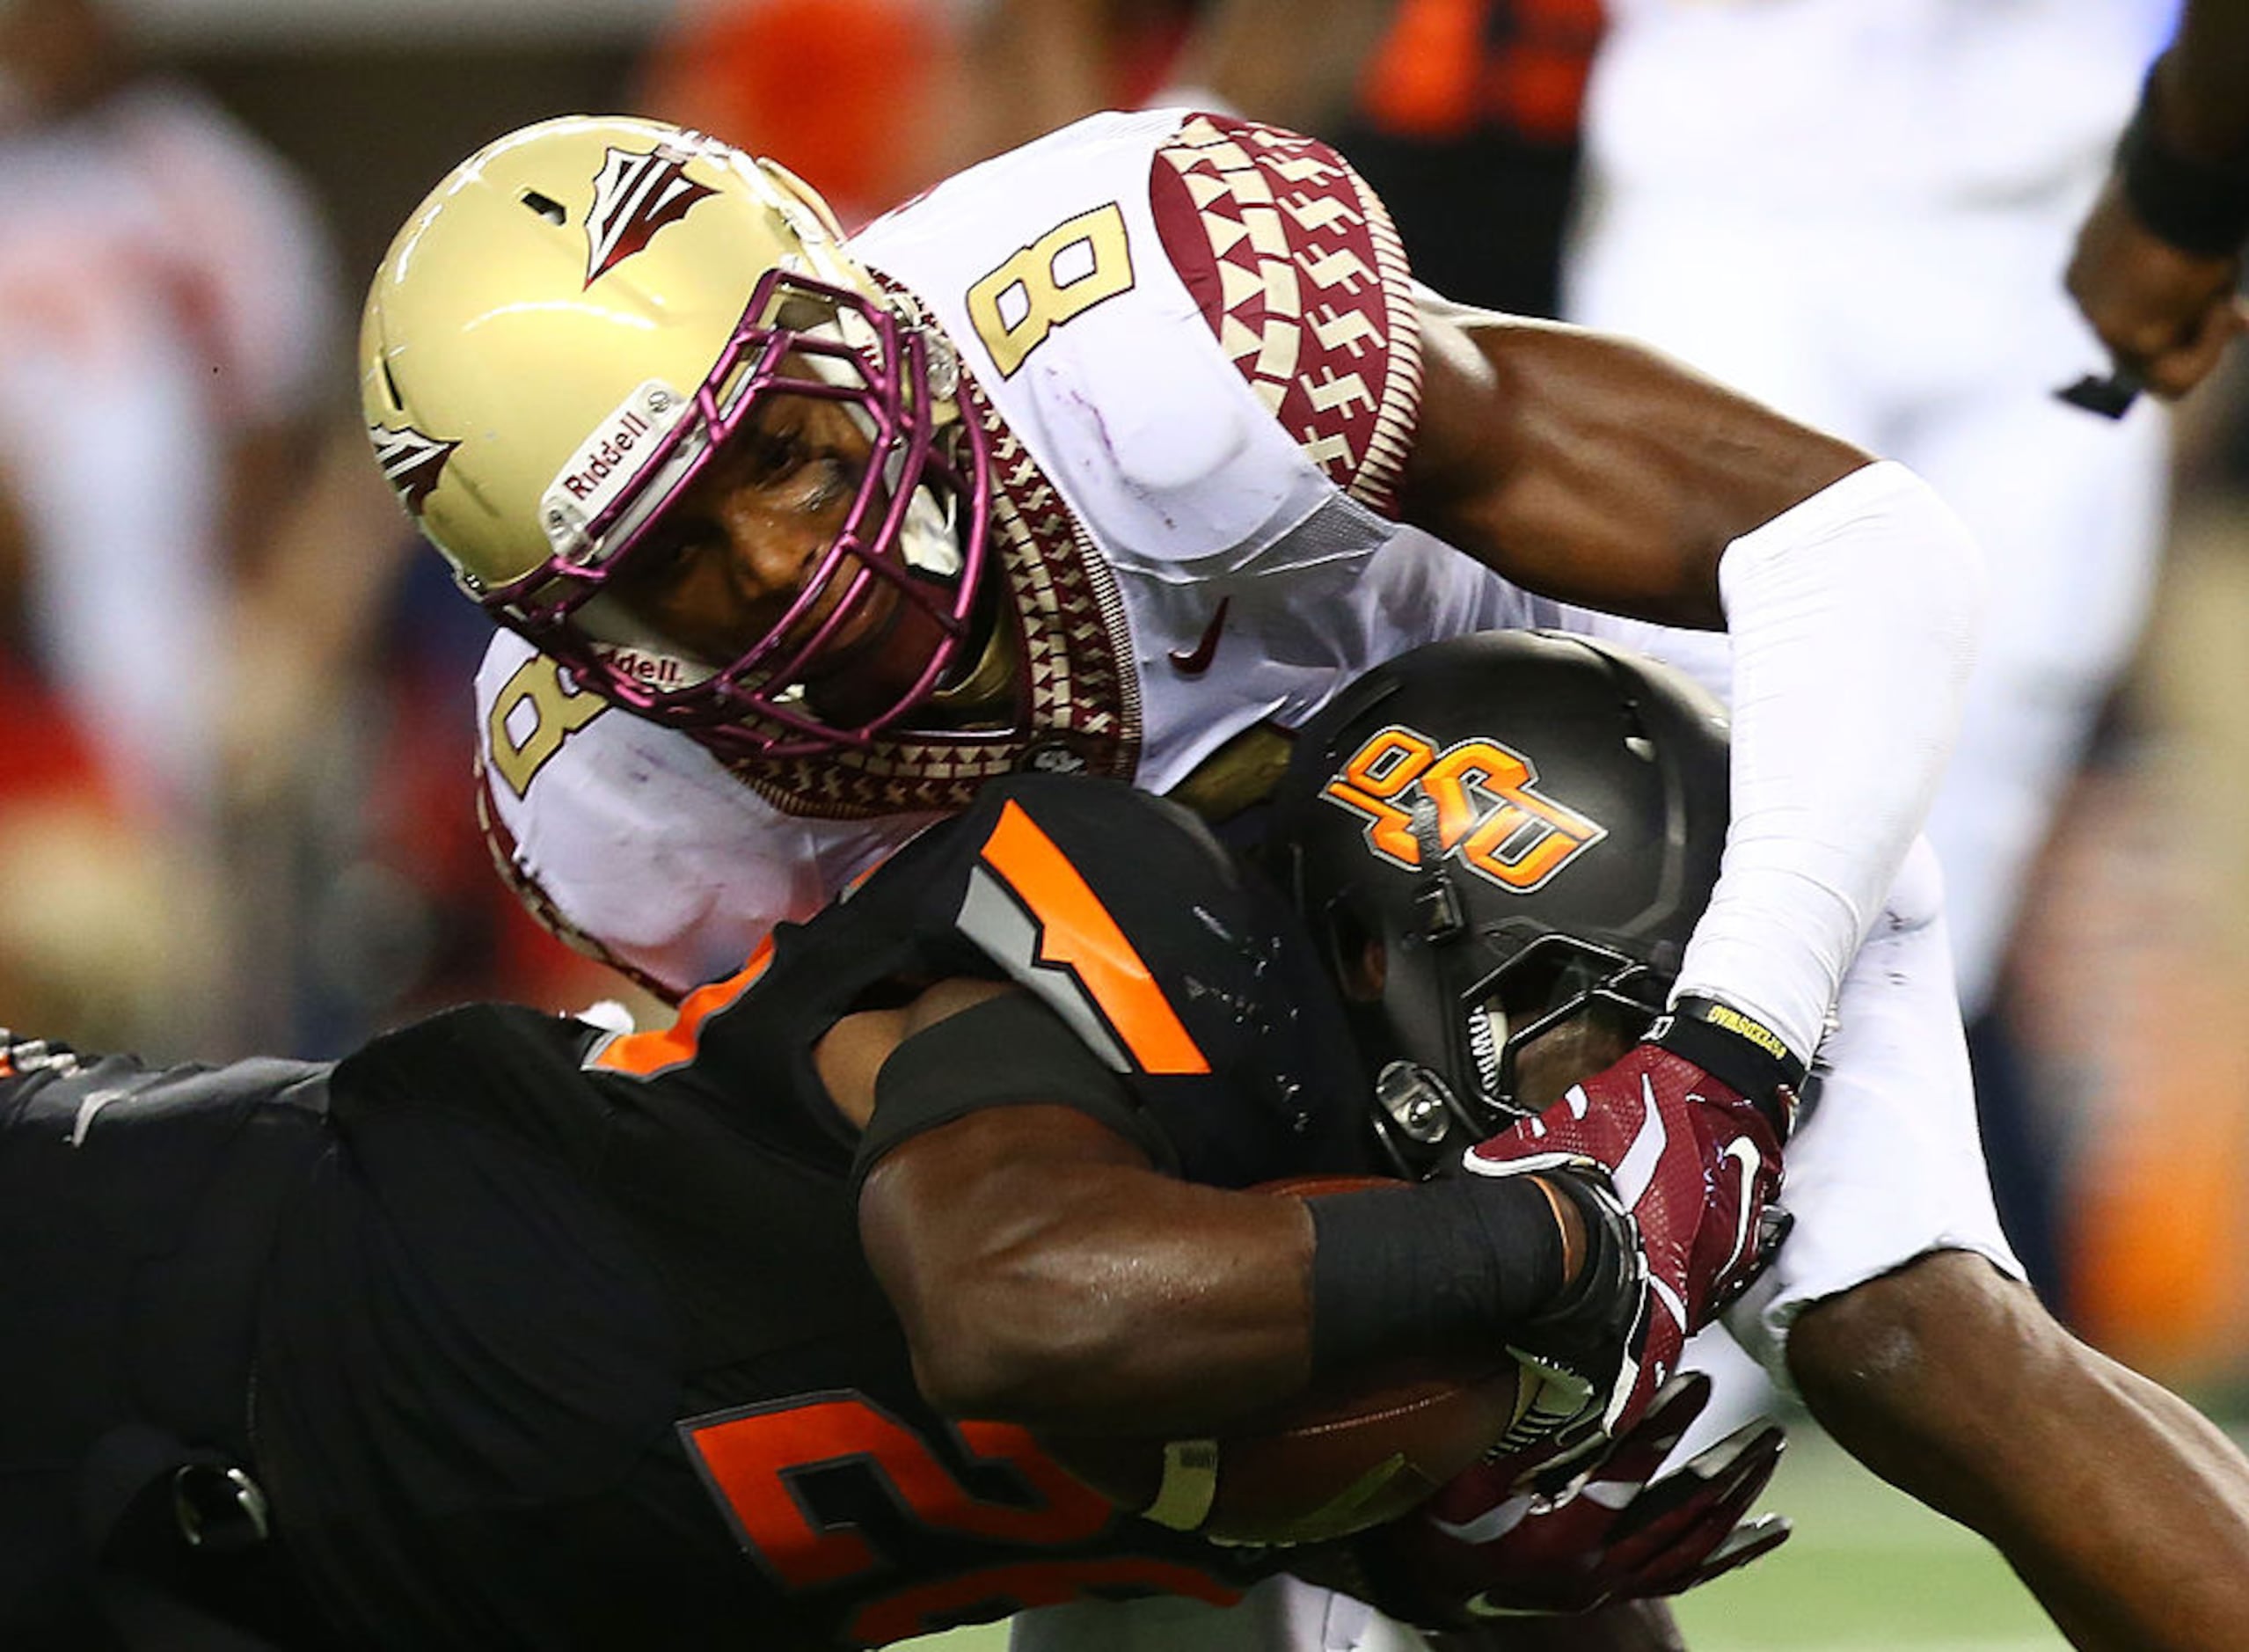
column 1203, row 328
column 636, row 844
column 1204, row 331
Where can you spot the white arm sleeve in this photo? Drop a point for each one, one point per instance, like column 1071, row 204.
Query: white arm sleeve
column 1853, row 617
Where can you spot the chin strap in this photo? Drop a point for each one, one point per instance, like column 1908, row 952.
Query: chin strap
column 990, row 683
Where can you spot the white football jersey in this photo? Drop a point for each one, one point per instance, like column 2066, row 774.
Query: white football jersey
column 1195, row 342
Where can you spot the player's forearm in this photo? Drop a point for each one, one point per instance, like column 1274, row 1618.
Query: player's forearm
column 1596, row 471
column 1093, row 1295
column 2183, row 162
column 1164, row 1306
column 1853, row 617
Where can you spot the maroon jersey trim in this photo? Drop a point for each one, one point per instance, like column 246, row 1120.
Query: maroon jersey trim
column 1294, row 263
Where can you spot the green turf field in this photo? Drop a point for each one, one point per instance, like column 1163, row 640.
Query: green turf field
column 1868, row 1571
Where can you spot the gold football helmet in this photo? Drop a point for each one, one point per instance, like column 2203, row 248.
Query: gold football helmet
column 566, row 332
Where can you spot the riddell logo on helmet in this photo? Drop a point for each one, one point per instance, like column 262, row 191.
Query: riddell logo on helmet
column 604, row 454
column 1478, row 798
column 607, row 465
column 654, row 670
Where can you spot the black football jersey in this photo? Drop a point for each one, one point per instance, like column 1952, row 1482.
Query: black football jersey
column 569, row 1341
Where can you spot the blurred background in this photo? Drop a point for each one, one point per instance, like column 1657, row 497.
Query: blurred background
column 235, row 809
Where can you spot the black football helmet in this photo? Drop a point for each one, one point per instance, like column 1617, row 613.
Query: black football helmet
column 1490, row 835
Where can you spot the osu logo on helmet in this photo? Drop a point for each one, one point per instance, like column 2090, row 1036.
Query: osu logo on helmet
column 1475, row 801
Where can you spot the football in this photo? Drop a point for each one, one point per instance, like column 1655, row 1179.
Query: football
column 1329, row 1463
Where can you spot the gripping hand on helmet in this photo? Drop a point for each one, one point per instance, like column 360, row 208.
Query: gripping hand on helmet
column 1684, row 1134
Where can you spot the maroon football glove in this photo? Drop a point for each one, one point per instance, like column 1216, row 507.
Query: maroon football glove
column 1696, row 1166
column 1481, row 1548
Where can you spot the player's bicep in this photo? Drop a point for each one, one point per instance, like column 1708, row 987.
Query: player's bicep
column 994, row 1129
column 1591, row 469
column 976, row 1229
column 937, row 1209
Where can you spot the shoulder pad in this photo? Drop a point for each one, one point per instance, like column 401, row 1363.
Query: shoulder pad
column 1178, row 966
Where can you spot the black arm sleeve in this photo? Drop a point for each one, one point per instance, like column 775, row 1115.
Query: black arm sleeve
column 1007, row 1051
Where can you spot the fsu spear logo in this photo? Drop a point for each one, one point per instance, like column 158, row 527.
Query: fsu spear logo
column 636, row 194
column 411, row 462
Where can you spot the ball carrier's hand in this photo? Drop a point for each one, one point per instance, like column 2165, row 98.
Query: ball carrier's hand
column 1685, row 1131
column 1481, row 1548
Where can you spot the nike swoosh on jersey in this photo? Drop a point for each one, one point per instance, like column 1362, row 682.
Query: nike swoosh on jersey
column 1195, row 661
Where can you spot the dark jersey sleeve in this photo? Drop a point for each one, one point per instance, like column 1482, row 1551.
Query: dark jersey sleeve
column 1181, row 970
column 137, row 1206
column 1008, row 1051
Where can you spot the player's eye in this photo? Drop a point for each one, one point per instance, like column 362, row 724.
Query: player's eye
column 772, row 456
column 671, row 549
column 828, row 476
